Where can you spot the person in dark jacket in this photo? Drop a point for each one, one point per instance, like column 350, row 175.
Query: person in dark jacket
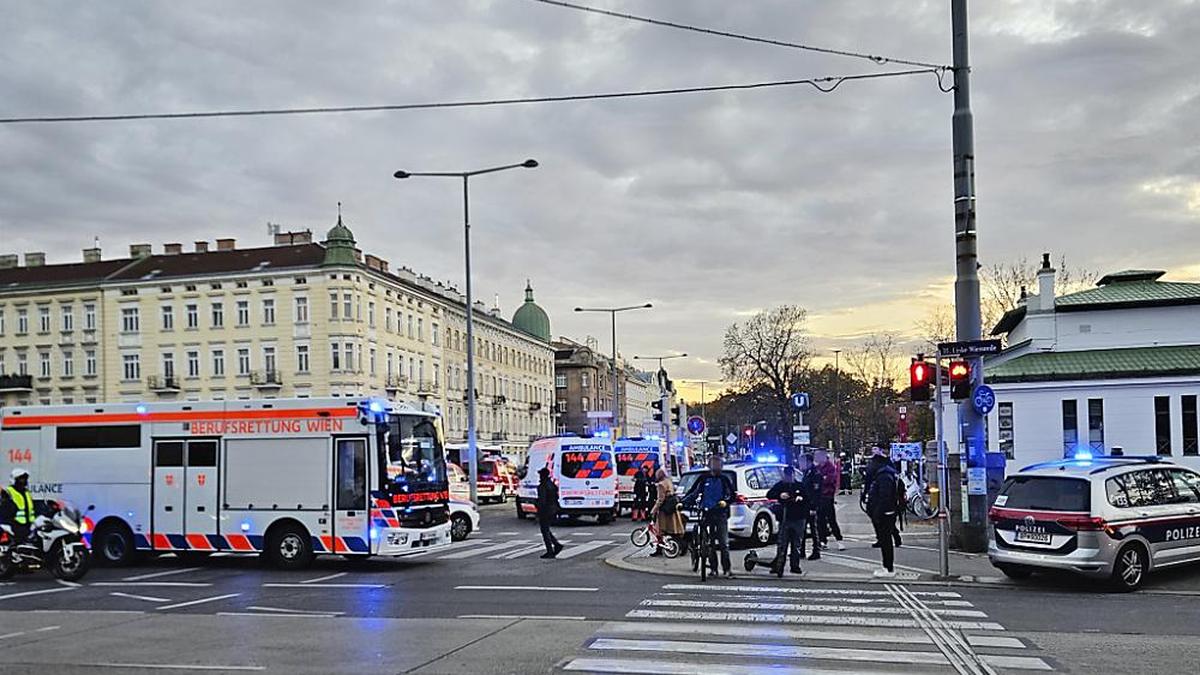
column 641, row 489
column 813, row 480
column 547, row 511
column 881, row 507
column 826, row 511
column 713, row 492
column 793, row 501
column 877, row 462
column 651, row 490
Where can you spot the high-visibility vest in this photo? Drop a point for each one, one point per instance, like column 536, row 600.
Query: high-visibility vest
column 24, row 502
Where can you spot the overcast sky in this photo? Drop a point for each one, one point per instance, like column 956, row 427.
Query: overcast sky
column 711, row 206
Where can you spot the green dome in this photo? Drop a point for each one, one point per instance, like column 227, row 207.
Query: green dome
column 531, row 319
column 339, row 244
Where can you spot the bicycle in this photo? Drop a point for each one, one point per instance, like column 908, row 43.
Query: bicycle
column 917, row 500
column 644, row 535
column 702, row 546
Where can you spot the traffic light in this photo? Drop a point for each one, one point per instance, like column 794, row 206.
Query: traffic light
column 748, row 431
column 960, row 380
column 658, row 409
column 675, row 414
column 920, row 376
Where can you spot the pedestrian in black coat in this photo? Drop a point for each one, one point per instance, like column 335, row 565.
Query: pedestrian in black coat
column 547, row 511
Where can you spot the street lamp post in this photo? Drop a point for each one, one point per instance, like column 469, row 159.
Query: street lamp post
column 616, row 387
column 472, row 440
column 837, row 397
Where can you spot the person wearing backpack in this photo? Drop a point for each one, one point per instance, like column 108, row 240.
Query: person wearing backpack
column 881, row 507
column 666, row 510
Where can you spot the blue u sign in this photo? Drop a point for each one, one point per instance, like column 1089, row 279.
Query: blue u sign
column 984, row 399
column 800, row 401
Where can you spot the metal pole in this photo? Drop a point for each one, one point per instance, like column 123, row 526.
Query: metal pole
column 943, row 478
column 966, row 284
column 616, row 387
column 837, row 396
column 472, row 439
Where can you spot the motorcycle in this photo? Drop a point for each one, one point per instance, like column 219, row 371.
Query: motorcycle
column 55, row 542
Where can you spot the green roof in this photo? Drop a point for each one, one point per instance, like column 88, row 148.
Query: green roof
column 530, row 318
column 1097, row 364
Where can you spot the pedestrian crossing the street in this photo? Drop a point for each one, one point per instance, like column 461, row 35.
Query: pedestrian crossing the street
column 793, row 630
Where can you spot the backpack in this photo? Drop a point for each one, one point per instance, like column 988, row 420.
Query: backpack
column 901, row 494
column 670, row 505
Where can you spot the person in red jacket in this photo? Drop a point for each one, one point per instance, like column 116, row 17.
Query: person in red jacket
column 826, row 514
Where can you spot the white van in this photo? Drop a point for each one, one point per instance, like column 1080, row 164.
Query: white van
column 584, row 470
column 632, row 454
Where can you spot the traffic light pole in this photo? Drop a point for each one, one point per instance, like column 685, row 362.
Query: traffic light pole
column 943, row 476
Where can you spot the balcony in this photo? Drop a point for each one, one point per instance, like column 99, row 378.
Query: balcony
column 498, row 401
column 427, row 388
column 465, row 396
column 16, row 384
column 266, row 379
column 163, row 383
column 498, row 436
column 394, row 383
column 535, row 406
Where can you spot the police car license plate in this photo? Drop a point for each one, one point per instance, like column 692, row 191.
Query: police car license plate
column 429, row 536
column 1032, row 535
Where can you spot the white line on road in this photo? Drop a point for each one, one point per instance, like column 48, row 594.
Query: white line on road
column 470, row 553
column 155, row 575
column 507, row 533
column 663, row 667
column 23, row 594
column 147, row 598
column 308, row 585
column 873, row 564
column 325, row 578
column 466, row 543
column 523, row 616
column 771, row 651
column 201, row 601
column 835, row 600
column 815, row 591
column 171, row 666
column 801, row 619
column 568, row 589
column 258, row 608
column 513, row 555
column 26, row 632
column 584, row 548
column 280, row 616
column 793, row 607
column 70, row 584
column 892, row 637
column 155, row 584
column 88, row 611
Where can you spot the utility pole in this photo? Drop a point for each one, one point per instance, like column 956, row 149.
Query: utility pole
column 966, row 284
column 837, row 399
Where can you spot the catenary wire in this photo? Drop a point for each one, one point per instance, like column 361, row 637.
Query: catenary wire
column 739, row 36
column 823, row 84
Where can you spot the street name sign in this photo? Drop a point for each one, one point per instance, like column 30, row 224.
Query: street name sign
column 969, row 348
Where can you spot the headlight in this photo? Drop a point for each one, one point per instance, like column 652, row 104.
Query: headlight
column 83, row 528
column 67, row 524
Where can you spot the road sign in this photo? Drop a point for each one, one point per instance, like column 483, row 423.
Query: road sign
column 969, row 348
column 695, row 425
column 801, row 438
column 984, row 399
column 906, row 451
column 599, row 414
column 800, row 400
column 731, row 438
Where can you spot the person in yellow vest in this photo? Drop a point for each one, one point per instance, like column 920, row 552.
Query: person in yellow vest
column 16, row 505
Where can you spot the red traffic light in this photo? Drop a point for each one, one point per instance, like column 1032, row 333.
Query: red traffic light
column 960, row 380
column 748, row 430
column 920, row 375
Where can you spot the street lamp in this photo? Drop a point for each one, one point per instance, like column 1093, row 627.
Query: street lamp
column 472, row 440
column 837, row 411
column 615, row 386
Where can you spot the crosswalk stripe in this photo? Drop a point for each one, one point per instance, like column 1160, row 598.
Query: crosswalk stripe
column 890, row 637
column 584, row 548
column 472, row 552
column 512, row 555
column 771, row 651
column 837, row 600
column 802, row 619
column 458, row 545
column 664, row 667
column 805, row 590
column 793, row 607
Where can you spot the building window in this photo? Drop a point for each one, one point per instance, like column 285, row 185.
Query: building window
column 193, row 363
column 218, row 363
column 391, row 363
column 387, row 319
column 1096, row 425
column 168, row 317
column 192, row 316
column 371, row 314
column 68, row 364
column 89, row 363
column 335, row 356
column 168, row 364
column 410, row 326
column 1162, row 425
column 560, row 381
column 1190, row 446
column 22, row 366
column 243, row 312
column 301, row 310
column 129, row 320
column 269, row 358
column 1005, row 423
column 348, row 350
column 433, row 335
column 585, row 403
column 243, row 361
column 44, row 365
column 131, row 370
column 268, row 309
column 562, row 406
column 218, row 315
column 22, row 321
column 420, row 329
column 89, row 316
column 1, row 321
column 583, row 380
column 68, row 319
column 333, row 306
column 44, row 319
column 301, row 358
column 1070, row 428
column 347, row 306
column 372, row 362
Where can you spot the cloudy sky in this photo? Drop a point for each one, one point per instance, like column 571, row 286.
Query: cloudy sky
column 711, row 206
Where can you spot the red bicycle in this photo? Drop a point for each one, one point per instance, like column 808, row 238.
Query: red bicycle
column 650, row 534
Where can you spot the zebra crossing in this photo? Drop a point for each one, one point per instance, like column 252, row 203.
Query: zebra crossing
column 788, row 630
column 512, row 549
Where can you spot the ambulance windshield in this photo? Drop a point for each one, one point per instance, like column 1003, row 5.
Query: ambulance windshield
column 415, row 454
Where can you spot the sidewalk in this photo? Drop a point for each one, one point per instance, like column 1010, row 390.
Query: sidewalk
column 917, row 560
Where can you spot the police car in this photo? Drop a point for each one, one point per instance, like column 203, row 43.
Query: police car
column 1114, row 518
column 750, row 514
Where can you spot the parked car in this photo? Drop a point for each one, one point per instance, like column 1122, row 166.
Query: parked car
column 750, row 515
column 459, row 486
column 1113, row 518
column 464, row 519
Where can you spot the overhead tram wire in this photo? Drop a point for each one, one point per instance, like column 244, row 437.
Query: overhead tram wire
column 822, row 84
column 874, row 58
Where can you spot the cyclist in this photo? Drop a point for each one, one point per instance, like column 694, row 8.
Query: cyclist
column 713, row 492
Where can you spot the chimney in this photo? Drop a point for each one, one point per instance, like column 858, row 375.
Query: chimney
column 202, row 247
column 8, row 261
column 226, row 244
column 91, row 255
column 139, row 250
column 1024, row 297
column 173, row 249
column 383, row 265
column 289, row 238
column 372, row 261
column 35, row 259
column 1046, row 285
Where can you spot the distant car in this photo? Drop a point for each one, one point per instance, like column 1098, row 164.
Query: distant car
column 495, row 481
column 1114, row 518
column 464, row 519
column 750, row 515
column 459, row 486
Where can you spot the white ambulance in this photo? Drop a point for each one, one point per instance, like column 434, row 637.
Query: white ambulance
column 632, row 454
column 284, row 478
column 584, row 471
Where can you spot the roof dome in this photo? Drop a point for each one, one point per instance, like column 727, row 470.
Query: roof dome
column 339, row 244
column 530, row 318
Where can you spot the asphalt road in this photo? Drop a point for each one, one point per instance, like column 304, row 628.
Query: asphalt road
column 490, row 605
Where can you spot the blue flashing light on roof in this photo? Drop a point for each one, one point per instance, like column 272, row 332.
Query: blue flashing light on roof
column 601, row 434
column 1083, row 455
column 141, row 409
column 376, row 407
column 766, row 458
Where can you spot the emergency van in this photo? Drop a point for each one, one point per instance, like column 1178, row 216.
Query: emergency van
column 632, row 454
column 287, row 479
column 584, row 471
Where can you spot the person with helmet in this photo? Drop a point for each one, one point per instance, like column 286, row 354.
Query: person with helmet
column 16, row 505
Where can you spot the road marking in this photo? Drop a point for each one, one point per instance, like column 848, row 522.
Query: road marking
column 805, row 590
column 523, row 616
column 23, row 594
column 470, row 553
column 88, row 611
column 793, row 607
column 584, row 548
column 326, row 578
column 452, row 547
column 913, row 636
column 583, row 534
column 147, row 598
column 70, row 584
column 172, row 666
column 801, row 619
column 279, row 616
column 507, row 533
column 304, row 584
column 843, row 601
column 26, row 632
column 568, row 589
column 201, row 601
column 961, row 656
column 873, row 564
column 154, row 584
column 155, row 575
column 663, row 667
column 513, row 555
column 771, row 651
column 258, row 608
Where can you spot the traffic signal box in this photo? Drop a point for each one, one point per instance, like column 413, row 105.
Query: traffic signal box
column 658, row 409
column 960, row 380
column 920, row 380
column 675, row 414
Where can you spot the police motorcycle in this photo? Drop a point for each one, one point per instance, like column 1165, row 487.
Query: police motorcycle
column 55, row 542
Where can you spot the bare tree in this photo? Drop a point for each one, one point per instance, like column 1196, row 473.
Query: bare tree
column 769, row 350
column 937, row 326
column 875, row 361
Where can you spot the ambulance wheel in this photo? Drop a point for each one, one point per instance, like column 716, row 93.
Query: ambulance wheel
column 605, row 518
column 290, row 548
column 113, row 544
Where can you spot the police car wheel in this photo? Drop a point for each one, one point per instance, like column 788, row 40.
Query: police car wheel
column 460, row 527
column 762, row 530
column 1129, row 571
column 290, row 549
